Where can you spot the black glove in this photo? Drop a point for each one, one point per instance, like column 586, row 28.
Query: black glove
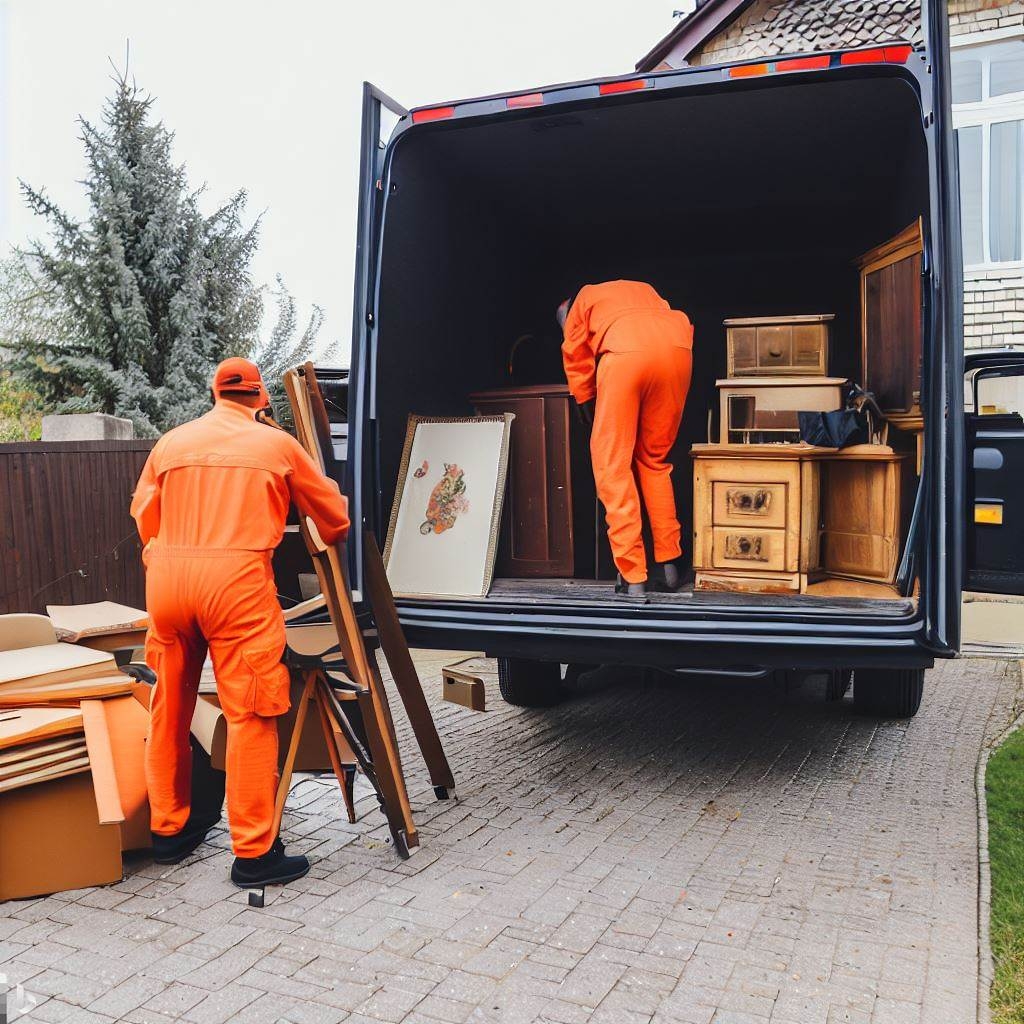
column 586, row 411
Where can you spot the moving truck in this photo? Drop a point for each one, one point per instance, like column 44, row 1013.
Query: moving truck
column 743, row 189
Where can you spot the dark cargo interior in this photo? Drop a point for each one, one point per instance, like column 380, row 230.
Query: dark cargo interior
column 753, row 200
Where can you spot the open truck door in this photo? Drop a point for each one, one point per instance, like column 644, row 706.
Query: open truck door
column 940, row 506
column 380, row 116
column 994, row 514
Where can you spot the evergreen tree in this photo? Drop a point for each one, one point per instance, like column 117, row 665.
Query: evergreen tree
column 147, row 293
column 287, row 348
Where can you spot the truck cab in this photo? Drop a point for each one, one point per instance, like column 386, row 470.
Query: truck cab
column 749, row 189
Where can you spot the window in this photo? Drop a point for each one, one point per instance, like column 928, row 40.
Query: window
column 988, row 111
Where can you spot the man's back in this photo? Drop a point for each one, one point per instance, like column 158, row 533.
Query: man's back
column 225, row 481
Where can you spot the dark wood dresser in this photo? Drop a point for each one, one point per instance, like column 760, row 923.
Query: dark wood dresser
column 548, row 524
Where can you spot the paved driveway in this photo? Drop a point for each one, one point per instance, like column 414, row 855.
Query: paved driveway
column 678, row 851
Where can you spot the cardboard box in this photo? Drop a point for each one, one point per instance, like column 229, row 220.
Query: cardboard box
column 53, row 840
column 312, row 754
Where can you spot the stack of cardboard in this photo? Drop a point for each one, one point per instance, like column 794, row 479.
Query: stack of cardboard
column 72, row 783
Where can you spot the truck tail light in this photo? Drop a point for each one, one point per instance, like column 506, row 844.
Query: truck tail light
column 878, row 55
column 804, row 63
column 432, row 114
column 629, row 85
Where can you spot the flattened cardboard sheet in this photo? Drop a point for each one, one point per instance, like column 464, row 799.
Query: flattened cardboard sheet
column 76, row 621
column 31, row 667
column 24, row 725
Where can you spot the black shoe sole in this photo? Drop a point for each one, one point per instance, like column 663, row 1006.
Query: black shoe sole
column 275, row 880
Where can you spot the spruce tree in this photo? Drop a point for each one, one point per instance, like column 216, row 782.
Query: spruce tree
column 147, row 293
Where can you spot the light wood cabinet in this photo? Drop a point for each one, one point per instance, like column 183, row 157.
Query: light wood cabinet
column 783, row 345
column 777, row 518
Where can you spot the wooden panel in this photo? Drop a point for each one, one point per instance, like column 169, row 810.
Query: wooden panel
column 734, row 582
column 537, row 524
column 745, row 504
column 750, row 549
column 891, row 321
column 65, row 533
column 810, row 345
column 861, row 519
column 742, row 349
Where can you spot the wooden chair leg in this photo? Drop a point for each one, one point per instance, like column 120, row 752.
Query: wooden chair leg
column 403, row 671
column 389, row 775
column 344, row 770
column 309, row 677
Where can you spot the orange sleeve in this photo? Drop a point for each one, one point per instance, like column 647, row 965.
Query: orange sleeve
column 145, row 507
column 577, row 353
column 317, row 496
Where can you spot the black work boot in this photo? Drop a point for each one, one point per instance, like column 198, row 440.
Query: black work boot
column 630, row 589
column 667, row 578
column 274, row 867
column 174, row 849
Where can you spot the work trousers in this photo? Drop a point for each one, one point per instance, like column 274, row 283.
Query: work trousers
column 225, row 602
column 640, row 401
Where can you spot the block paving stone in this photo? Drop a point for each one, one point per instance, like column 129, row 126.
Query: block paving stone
column 698, row 851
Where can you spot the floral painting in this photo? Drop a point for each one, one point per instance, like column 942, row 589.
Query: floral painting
column 447, row 501
column 444, row 521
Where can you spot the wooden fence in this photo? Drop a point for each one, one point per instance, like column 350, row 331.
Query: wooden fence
column 65, row 533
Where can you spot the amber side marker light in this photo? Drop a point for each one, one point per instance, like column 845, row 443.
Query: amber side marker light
column 531, row 99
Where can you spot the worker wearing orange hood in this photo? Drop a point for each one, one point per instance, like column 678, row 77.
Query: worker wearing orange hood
column 627, row 357
column 210, row 507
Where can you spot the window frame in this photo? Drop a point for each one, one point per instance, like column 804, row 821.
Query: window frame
column 983, row 114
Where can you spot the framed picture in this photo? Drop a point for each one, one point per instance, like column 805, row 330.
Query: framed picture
column 444, row 525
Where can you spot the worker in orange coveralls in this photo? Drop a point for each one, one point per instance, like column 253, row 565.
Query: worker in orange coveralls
column 627, row 357
column 210, row 507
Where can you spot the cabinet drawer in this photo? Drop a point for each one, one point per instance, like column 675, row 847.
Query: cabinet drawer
column 774, row 348
column 750, row 549
column 748, row 505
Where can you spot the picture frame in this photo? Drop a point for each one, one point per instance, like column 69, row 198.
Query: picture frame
column 445, row 519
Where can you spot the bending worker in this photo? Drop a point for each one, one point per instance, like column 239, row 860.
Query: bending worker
column 627, row 358
column 211, row 506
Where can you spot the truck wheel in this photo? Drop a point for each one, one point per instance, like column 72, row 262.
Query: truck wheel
column 530, row 684
column 888, row 692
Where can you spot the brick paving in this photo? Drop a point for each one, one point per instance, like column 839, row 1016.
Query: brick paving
column 686, row 851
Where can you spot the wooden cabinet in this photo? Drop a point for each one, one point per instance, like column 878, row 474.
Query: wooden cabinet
column 776, row 518
column 547, row 529
column 891, row 330
column 766, row 409
column 785, row 345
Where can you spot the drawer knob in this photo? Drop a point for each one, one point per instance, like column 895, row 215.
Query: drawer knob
column 752, row 501
column 746, row 546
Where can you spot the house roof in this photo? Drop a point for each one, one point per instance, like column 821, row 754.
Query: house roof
column 791, row 26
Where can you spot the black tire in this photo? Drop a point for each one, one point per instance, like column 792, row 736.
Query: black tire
column 530, row 684
column 888, row 692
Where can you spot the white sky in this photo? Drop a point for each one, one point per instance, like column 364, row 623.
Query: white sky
column 266, row 96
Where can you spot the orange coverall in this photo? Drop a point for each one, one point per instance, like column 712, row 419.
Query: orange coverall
column 625, row 346
column 210, row 507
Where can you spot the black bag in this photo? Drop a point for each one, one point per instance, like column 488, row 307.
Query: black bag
column 838, row 429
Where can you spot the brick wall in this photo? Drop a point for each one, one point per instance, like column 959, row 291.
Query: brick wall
column 983, row 15
column 993, row 308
